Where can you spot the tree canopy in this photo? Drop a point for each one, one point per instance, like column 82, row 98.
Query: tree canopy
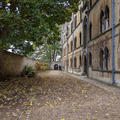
column 24, row 24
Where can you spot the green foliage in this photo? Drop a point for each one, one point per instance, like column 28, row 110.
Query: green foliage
column 32, row 21
column 44, row 67
column 49, row 50
column 28, row 71
column 41, row 66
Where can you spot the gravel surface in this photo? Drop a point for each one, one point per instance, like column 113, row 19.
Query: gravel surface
column 55, row 95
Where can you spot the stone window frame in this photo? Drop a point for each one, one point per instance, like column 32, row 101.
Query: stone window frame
column 104, row 19
column 104, row 58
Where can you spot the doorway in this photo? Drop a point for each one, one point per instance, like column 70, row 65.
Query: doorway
column 56, row 67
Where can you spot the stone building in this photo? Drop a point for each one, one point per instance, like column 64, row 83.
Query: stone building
column 72, row 43
column 100, row 40
column 88, row 45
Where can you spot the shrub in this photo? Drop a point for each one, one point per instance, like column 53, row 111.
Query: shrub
column 28, row 71
column 38, row 65
column 41, row 66
column 44, row 67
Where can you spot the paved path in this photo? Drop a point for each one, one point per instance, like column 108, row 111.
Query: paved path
column 111, row 88
column 55, row 95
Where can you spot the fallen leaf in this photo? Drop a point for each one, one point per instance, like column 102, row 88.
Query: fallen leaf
column 59, row 98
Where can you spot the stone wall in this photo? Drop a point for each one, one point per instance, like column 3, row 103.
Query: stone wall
column 12, row 64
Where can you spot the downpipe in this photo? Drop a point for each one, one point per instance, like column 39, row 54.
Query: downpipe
column 67, row 55
column 87, row 37
column 113, row 43
column 73, row 44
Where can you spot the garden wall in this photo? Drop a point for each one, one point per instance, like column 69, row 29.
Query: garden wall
column 12, row 64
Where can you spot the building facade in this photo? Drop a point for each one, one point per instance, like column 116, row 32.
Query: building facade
column 91, row 46
column 72, row 43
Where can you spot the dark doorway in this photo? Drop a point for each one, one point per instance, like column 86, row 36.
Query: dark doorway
column 56, row 67
column 60, row 68
column 85, row 65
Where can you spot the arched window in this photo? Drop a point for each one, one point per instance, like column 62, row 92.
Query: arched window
column 101, row 58
column 71, row 27
column 75, row 43
column 107, row 17
column 80, row 60
column 90, row 3
column 90, row 31
column 71, row 45
column 75, row 62
column 68, row 62
column 67, row 33
column 68, row 48
column 107, row 56
column 71, row 61
column 84, row 32
column 102, row 21
column 80, row 38
column 90, row 59
column 75, row 20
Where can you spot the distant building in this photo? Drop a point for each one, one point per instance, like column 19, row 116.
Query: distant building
column 87, row 48
column 72, row 43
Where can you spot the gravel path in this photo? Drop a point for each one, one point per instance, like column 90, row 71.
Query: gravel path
column 55, row 95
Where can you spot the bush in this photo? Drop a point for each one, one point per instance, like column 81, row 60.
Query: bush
column 44, row 67
column 28, row 71
column 41, row 66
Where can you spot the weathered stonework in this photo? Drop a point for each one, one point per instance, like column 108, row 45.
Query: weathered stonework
column 99, row 41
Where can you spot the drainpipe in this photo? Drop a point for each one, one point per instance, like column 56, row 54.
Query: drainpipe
column 113, row 44
column 67, row 53
column 73, row 43
column 62, row 54
column 87, row 37
column 62, row 43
